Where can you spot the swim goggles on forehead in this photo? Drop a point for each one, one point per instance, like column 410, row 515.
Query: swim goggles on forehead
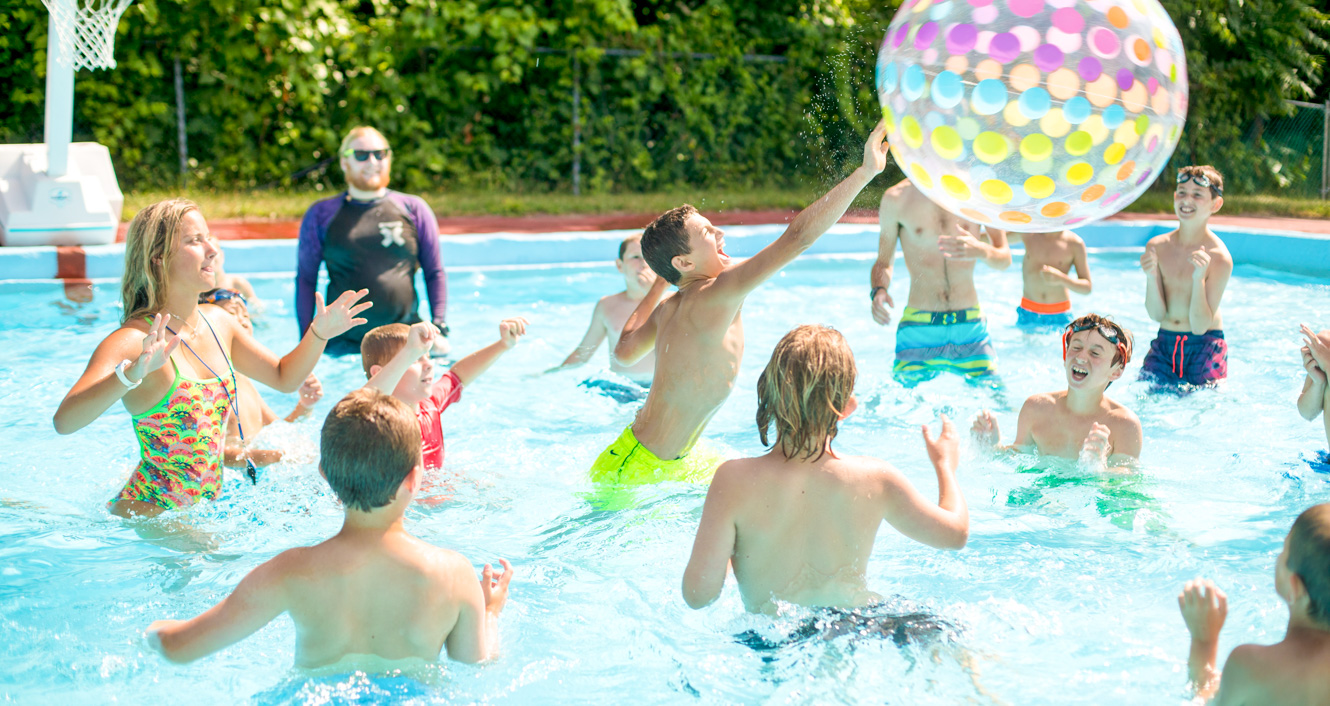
column 1199, row 180
column 1110, row 333
column 217, row 296
column 364, row 155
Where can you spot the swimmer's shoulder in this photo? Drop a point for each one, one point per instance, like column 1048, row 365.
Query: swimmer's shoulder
column 1043, row 402
column 1161, row 240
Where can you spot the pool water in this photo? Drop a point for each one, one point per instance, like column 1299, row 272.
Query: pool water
column 1065, row 593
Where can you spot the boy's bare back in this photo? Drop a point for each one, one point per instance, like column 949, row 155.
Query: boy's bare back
column 804, row 531
column 393, row 596
column 1293, row 672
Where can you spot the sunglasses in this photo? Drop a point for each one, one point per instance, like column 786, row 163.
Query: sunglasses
column 364, row 155
column 217, row 296
column 1199, row 180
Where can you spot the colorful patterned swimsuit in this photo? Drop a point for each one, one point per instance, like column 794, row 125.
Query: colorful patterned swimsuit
column 181, row 440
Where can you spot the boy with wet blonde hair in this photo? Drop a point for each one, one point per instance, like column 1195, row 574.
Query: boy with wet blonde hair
column 371, row 590
column 396, row 358
column 798, row 523
column 1079, row 422
column 1295, row 670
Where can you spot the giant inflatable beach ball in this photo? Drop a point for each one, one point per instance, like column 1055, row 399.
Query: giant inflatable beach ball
column 1032, row 115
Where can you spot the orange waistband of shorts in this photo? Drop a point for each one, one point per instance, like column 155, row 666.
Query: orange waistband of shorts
column 1038, row 308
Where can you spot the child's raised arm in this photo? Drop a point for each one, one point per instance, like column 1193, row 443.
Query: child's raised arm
column 470, row 367
column 945, row 525
column 260, row 597
column 714, row 545
column 808, row 226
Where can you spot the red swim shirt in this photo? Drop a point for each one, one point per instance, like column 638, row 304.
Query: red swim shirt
column 445, row 392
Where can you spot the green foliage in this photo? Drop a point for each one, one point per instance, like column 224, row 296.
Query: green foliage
column 477, row 94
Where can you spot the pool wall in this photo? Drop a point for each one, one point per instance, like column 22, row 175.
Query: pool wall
column 1302, row 253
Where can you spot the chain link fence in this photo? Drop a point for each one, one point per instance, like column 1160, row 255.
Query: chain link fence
column 1294, row 148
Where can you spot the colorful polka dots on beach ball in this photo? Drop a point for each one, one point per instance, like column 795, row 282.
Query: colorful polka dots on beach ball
column 1032, row 115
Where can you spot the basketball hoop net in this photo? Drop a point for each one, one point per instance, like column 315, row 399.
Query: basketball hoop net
column 85, row 30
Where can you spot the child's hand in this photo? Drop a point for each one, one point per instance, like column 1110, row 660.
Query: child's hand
column 985, row 430
column 1052, row 275
column 1149, row 262
column 339, row 317
column 311, row 391
column 1200, row 263
column 158, row 345
column 962, row 246
column 945, row 449
column 153, row 633
column 1318, row 346
column 882, row 305
column 1314, row 370
column 420, row 339
column 1094, row 452
column 1204, row 608
column 512, row 329
column 876, row 149
column 495, row 587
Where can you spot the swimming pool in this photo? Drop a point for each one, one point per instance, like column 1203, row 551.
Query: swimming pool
column 1065, row 593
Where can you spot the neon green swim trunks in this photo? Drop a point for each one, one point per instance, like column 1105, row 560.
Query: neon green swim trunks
column 628, row 462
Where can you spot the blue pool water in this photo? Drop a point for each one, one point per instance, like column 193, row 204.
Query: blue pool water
column 1065, row 593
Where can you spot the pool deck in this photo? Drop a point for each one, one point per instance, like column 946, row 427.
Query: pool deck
column 254, row 247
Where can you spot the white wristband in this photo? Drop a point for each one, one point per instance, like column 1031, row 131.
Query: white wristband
column 120, row 373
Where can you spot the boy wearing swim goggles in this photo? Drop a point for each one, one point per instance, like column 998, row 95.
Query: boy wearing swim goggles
column 1079, row 422
column 1186, row 271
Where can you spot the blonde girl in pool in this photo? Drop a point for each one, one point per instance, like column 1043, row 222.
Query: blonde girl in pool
column 171, row 361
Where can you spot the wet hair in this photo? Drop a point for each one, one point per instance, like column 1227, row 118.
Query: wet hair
column 1309, row 558
column 381, row 344
column 804, row 390
column 369, row 445
column 1091, row 322
column 623, row 244
column 1216, row 179
column 150, row 245
column 355, row 132
column 666, row 239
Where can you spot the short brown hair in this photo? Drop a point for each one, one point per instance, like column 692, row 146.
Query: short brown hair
column 623, row 244
column 665, row 239
column 370, row 444
column 381, row 344
column 1210, row 173
column 1093, row 322
column 805, row 389
column 1309, row 558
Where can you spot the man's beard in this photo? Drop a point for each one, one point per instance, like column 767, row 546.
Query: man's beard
column 379, row 181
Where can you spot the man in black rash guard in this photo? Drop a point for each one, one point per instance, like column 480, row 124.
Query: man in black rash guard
column 371, row 238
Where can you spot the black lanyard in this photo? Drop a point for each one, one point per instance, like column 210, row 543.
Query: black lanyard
column 250, row 469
